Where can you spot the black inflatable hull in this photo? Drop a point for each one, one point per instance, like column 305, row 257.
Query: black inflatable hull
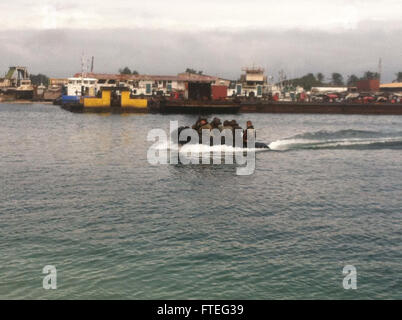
column 261, row 145
column 258, row 145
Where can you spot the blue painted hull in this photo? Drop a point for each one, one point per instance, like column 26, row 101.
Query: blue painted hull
column 70, row 99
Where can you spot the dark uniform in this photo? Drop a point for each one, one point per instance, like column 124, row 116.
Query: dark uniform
column 226, row 126
column 249, row 127
column 216, row 124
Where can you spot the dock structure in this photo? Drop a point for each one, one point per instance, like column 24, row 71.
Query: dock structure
column 203, row 94
column 109, row 103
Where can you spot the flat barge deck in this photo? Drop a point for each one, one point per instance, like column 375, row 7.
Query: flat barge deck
column 322, row 108
column 198, row 107
column 279, row 107
column 232, row 107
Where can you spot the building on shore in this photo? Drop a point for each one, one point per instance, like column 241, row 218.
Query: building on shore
column 395, row 87
column 327, row 90
column 189, row 85
column 368, row 85
column 252, row 83
column 58, row 82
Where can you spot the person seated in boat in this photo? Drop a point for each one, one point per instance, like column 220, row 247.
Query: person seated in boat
column 226, row 125
column 216, row 124
column 235, row 125
column 249, row 127
column 204, row 125
column 197, row 124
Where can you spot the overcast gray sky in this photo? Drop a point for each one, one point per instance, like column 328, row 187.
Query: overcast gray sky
column 218, row 37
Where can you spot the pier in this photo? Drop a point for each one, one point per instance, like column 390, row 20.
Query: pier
column 100, row 105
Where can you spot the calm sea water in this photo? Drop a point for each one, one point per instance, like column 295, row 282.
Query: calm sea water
column 78, row 193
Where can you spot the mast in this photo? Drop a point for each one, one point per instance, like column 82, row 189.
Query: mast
column 379, row 69
column 82, row 65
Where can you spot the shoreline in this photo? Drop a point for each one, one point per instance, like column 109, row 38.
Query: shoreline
column 25, row 102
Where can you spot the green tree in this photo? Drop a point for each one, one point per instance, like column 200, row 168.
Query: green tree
column 320, row 77
column 125, row 70
column 369, row 75
column 190, row 70
column 337, row 79
column 398, row 77
column 193, row 71
column 307, row 82
column 352, row 80
column 39, row 79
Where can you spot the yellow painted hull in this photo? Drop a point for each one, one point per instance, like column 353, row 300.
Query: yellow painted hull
column 105, row 101
column 126, row 101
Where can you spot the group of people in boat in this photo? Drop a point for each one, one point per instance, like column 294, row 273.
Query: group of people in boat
column 216, row 123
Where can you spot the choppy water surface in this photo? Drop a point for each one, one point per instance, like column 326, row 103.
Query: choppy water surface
column 78, row 193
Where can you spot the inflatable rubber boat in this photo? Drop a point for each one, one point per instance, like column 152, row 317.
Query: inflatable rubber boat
column 258, row 145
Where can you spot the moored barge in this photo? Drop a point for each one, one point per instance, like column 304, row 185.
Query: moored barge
column 322, row 108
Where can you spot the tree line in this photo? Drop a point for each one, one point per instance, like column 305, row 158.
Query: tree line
column 336, row 79
column 307, row 81
column 127, row 70
column 38, row 79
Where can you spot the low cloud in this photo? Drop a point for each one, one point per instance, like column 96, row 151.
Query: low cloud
column 58, row 52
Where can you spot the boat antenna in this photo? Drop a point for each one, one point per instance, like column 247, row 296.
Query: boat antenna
column 82, row 65
column 379, row 69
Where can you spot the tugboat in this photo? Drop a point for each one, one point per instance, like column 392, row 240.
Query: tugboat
column 77, row 88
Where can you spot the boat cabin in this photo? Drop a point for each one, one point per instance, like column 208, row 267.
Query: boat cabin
column 81, row 87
